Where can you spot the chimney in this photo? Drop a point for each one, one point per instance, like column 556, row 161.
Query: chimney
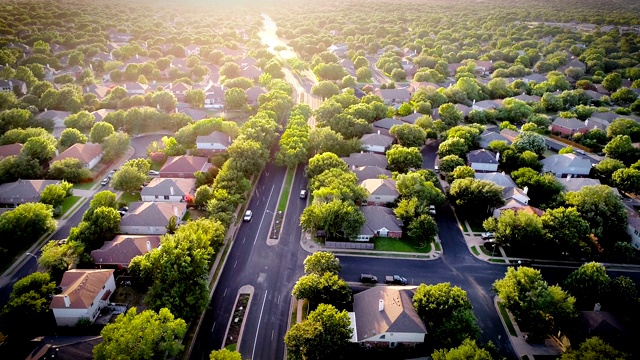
column 229, row 139
column 381, row 305
column 148, row 246
column 586, row 122
column 67, row 301
column 568, row 177
column 597, row 307
column 497, row 156
column 525, row 190
column 171, row 191
column 175, row 212
column 353, row 167
column 378, row 132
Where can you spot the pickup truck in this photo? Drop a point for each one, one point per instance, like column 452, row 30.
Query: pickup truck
column 395, row 280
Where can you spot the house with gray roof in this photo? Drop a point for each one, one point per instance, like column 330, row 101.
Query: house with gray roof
column 488, row 136
column 379, row 221
column 385, row 316
column 486, row 105
column 568, row 126
column 168, row 189
column 370, row 172
column 366, row 159
column 576, row 184
column 562, row 165
column 151, row 218
column 195, row 114
column 217, row 141
column 10, row 150
column 253, row 93
column 376, row 142
column 381, row 191
column 538, row 78
column 386, row 124
column 596, row 123
column 412, row 118
column 528, row 98
column 509, row 188
column 393, row 97
column 482, row 160
column 23, row 191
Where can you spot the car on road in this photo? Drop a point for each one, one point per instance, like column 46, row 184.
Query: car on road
column 303, row 194
column 436, row 169
column 488, row 235
column 111, row 173
column 395, row 280
column 368, row 278
column 432, row 209
column 248, row 215
column 105, row 181
column 154, row 173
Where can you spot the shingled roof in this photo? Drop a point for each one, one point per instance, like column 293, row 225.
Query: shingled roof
column 81, row 286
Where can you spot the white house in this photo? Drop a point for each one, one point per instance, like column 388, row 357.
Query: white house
column 483, row 160
column 84, row 293
column 376, row 142
column 384, row 316
column 89, row 154
column 168, row 189
column 217, row 141
column 381, row 191
column 151, row 218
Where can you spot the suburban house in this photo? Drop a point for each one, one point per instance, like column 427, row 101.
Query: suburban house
column 99, row 115
column 84, row 293
column 250, row 72
column 528, row 98
column 13, row 85
column 10, row 150
column 465, row 110
column 379, row 221
column 192, row 49
column 537, row 78
column 516, row 206
column 376, row 142
column 118, row 252
column 184, row 166
column 596, row 123
column 366, row 159
column 381, row 191
column 57, row 117
column 576, row 184
column 338, row 49
column 509, row 188
column 483, row 160
column 569, row 126
column 23, row 191
column 486, row 105
column 89, row 154
column 214, row 96
column 562, row 165
column 168, row 189
column 384, row 316
column 509, row 134
column 217, row 141
column 488, row 136
column 195, row 114
column 515, row 193
column 384, row 125
column 64, row 347
column 179, row 90
column 100, row 91
column 393, row 97
column 412, row 118
column 607, row 327
column 370, row 172
column 135, row 88
column 151, row 218
column 253, row 93
column 633, row 225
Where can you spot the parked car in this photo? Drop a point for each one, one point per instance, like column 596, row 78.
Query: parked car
column 368, row 278
column 154, row 173
column 488, row 235
column 111, row 173
column 303, row 194
column 436, row 168
column 248, row 215
column 395, row 280
column 124, row 208
column 432, row 209
column 105, row 181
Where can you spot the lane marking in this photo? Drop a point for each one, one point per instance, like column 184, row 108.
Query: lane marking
column 236, row 263
column 225, row 292
column 214, row 325
column 263, row 214
column 259, row 320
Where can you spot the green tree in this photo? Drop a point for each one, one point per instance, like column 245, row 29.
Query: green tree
column 566, row 150
column 530, row 141
column 54, row 194
column 612, row 82
column 624, row 127
column 627, row 180
column 195, row 97
column 520, row 230
column 566, row 232
column 339, row 219
column 27, row 221
column 423, row 229
column 607, row 167
column 474, row 197
column 463, row 172
column 230, row 70
column 325, row 288
column 82, row 121
column 325, row 334
column 115, row 145
column 69, row 169
column 450, row 162
column 321, row 262
column 589, row 284
column 545, row 190
column 594, row 348
column 467, row 350
column 401, row 159
column 58, row 257
column 450, row 115
column 162, row 336
column 224, row 354
column 249, row 156
column 38, row 149
column 414, row 185
column 71, row 136
column 128, row 179
column 164, row 100
column 322, row 162
column 453, row 146
column 235, row 99
column 28, row 304
column 409, row 135
column 100, row 131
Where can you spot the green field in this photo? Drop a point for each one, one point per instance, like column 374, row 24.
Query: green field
column 397, row 245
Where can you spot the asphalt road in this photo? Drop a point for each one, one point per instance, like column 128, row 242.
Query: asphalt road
column 271, row 270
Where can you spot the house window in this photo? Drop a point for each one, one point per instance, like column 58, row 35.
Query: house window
column 157, row 197
column 377, row 197
column 166, row 197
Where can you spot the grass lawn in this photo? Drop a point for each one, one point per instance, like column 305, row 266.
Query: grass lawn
column 548, row 153
column 284, row 196
column 464, row 227
column 475, row 250
column 438, row 248
column 156, row 166
column 476, row 226
column 507, row 319
column 129, row 198
column 498, row 261
column 68, row 203
column 397, row 245
column 84, row 186
column 487, row 252
column 231, row 347
column 305, row 309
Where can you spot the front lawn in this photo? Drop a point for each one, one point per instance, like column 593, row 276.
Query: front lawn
column 398, row 245
column 83, row 186
column 129, row 198
column 507, row 319
column 68, row 204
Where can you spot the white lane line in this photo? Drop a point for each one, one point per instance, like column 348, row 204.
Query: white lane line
column 259, row 320
column 236, row 263
column 214, row 325
column 265, row 213
column 225, row 292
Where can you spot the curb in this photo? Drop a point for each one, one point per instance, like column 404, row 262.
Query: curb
column 270, row 241
column 245, row 289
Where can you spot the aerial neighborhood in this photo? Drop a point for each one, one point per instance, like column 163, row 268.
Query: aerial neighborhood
column 430, row 179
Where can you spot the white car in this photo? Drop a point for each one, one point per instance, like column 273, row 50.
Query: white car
column 488, row 235
column 154, row 173
column 248, row 215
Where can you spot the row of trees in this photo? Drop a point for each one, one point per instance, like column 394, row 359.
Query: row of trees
column 294, row 142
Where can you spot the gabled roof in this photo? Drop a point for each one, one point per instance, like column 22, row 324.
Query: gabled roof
column 195, row 114
column 497, row 178
column 184, row 164
column 135, row 86
column 253, row 93
column 386, row 123
column 100, row 91
column 383, row 187
column 370, row 172
column 100, row 114
column 366, row 159
column 510, row 193
column 509, row 134
column 527, row 98
column 83, row 152
column 393, row 94
column 53, row 115
column 65, row 348
column 488, row 104
column 535, row 77
column 565, row 164
column 576, row 184
column 412, row 118
column 169, row 186
column 482, row 156
column 570, row 123
column 23, row 190
column 250, row 72
column 516, row 206
column 397, row 314
column 376, row 139
column 378, row 217
column 488, row 136
column 10, row 149
column 215, row 137
column 123, row 248
column 152, row 213
column 81, row 286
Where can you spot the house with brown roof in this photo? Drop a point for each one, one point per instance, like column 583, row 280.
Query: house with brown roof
column 118, row 252
column 195, row 114
column 250, row 72
column 384, row 316
column 100, row 91
column 168, row 189
column 253, row 93
column 568, row 126
column 151, row 218
column 515, row 205
column 23, row 191
column 84, row 293
column 179, row 90
column 10, row 150
column 89, row 154
column 184, row 166
column 509, row 134
column 99, row 115
column 381, row 191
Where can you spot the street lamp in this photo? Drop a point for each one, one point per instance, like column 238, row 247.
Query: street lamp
column 30, row 254
column 269, row 211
